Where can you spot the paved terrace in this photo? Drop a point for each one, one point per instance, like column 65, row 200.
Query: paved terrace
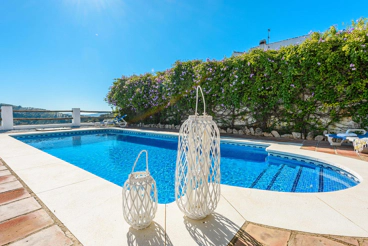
column 26, row 220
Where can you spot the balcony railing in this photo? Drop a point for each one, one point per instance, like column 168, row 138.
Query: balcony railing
column 12, row 119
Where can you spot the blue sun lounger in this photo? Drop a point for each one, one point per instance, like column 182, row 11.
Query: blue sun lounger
column 349, row 135
column 119, row 121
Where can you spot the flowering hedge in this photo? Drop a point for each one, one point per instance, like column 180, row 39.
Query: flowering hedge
column 303, row 87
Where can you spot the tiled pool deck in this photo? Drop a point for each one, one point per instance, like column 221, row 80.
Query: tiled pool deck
column 46, row 200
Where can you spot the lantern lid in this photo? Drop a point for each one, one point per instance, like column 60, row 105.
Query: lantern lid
column 139, row 176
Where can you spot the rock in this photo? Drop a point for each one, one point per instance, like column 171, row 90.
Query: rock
column 297, row 135
column 172, row 126
column 319, row 138
column 222, row 130
column 275, row 134
column 235, row 131
column 258, row 132
column 267, row 134
column 229, row 130
column 287, row 136
column 177, row 127
column 310, row 136
column 251, row 131
column 240, row 132
column 246, row 131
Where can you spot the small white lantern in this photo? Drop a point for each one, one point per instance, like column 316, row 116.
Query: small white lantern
column 197, row 176
column 139, row 197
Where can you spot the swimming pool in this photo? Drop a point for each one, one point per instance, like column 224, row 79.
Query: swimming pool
column 110, row 154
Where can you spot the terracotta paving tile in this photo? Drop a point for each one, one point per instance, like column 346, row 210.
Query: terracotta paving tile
column 13, row 195
column 22, row 226
column 364, row 154
column 325, row 144
column 312, row 148
column 244, row 239
column 10, row 186
column 3, row 168
column 346, row 152
column 4, row 173
column 17, row 208
column 346, row 240
column 268, row 236
column 349, row 154
column 346, row 147
column 245, row 242
column 326, row 150
column 241, row 242
column 364, row 158
column 301, row 239
column 7, row 178
column 51, row 236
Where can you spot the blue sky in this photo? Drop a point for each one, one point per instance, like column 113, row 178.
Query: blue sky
column 59, row 54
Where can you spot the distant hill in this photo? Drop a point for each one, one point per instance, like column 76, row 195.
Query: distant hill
column 37, row 115
column 97, row 117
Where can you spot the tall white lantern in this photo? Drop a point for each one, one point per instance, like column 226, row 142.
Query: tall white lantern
column 139, row 197
column 197, row 176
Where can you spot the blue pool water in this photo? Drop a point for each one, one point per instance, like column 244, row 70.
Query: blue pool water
column 111, row 154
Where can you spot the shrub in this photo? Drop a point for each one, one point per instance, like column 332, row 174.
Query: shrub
column 299, row 87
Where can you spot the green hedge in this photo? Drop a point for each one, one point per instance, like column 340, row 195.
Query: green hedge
column 297, row 87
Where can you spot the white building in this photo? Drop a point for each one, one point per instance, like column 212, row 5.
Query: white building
column 274, row 46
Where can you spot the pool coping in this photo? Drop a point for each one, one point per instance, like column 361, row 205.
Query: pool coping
column 341, row 212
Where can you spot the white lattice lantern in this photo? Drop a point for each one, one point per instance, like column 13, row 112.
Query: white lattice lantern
column 139, row 197
column 197, row 176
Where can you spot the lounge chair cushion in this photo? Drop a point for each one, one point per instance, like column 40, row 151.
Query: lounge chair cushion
column 347, row 135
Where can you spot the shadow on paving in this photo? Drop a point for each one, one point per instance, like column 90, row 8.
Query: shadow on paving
column 153, row 235
column 216, row 230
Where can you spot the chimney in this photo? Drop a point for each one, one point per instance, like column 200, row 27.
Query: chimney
column 263, row 41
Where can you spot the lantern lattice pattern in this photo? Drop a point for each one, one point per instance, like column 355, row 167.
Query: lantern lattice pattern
column 139, row 197
column 197, row 176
